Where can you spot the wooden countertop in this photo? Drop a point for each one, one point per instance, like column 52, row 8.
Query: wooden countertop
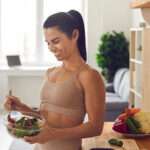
column 142, row 143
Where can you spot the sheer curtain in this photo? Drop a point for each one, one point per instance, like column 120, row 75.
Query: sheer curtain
column 21, row 28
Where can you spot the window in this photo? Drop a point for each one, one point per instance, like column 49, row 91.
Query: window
column 18, row 28
column 21, row 27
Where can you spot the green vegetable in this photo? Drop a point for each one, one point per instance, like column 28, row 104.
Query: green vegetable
column 132, row 127
column 22, row 133
column 115, row 142
column 135, row 122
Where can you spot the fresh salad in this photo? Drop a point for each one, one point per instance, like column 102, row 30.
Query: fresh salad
column 24, row 125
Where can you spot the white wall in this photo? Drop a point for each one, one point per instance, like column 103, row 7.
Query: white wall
column 27, row 88
column 25, row 83
column 103, row 16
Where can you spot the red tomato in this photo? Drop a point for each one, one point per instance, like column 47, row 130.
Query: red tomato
column 10, row 119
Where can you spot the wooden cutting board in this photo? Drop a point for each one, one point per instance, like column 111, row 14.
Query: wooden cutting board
column 129, row 144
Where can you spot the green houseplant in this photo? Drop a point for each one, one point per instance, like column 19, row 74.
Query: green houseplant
column 113, row 53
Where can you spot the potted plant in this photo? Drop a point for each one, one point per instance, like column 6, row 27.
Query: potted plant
column 113, row 53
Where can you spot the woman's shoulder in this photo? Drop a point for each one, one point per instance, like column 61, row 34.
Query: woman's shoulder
column 89, row 74
column 51, row 70
column 89, row 71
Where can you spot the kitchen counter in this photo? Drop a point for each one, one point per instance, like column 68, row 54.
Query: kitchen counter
column 23, row 70
column 142, row 143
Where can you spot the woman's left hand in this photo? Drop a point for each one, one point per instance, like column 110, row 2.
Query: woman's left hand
column 45, row 135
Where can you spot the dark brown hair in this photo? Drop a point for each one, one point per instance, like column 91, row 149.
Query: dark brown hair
column 67, row 22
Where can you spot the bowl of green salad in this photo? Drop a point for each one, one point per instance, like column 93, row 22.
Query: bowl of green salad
column 23, row 124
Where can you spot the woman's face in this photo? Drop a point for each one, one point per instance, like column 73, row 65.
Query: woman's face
column 59, row 43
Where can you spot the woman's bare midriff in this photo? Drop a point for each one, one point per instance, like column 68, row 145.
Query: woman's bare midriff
column 60, row 120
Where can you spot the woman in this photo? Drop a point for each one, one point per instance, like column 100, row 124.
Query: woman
column 69, row 91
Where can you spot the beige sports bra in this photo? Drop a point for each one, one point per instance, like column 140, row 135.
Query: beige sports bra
column 63, row 97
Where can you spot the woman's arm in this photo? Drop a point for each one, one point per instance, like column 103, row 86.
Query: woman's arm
column 94, row 102
column 26, row 108
column 14, row 103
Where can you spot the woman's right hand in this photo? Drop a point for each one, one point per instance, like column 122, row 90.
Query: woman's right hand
column 13, row 103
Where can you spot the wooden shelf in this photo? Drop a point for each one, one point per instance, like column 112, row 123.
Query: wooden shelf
column 140, row 4
column 139, row 67
column 136, row 29
column 136, row 61
column 136, row 93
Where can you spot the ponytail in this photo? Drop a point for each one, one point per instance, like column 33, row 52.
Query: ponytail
column 80, row 26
